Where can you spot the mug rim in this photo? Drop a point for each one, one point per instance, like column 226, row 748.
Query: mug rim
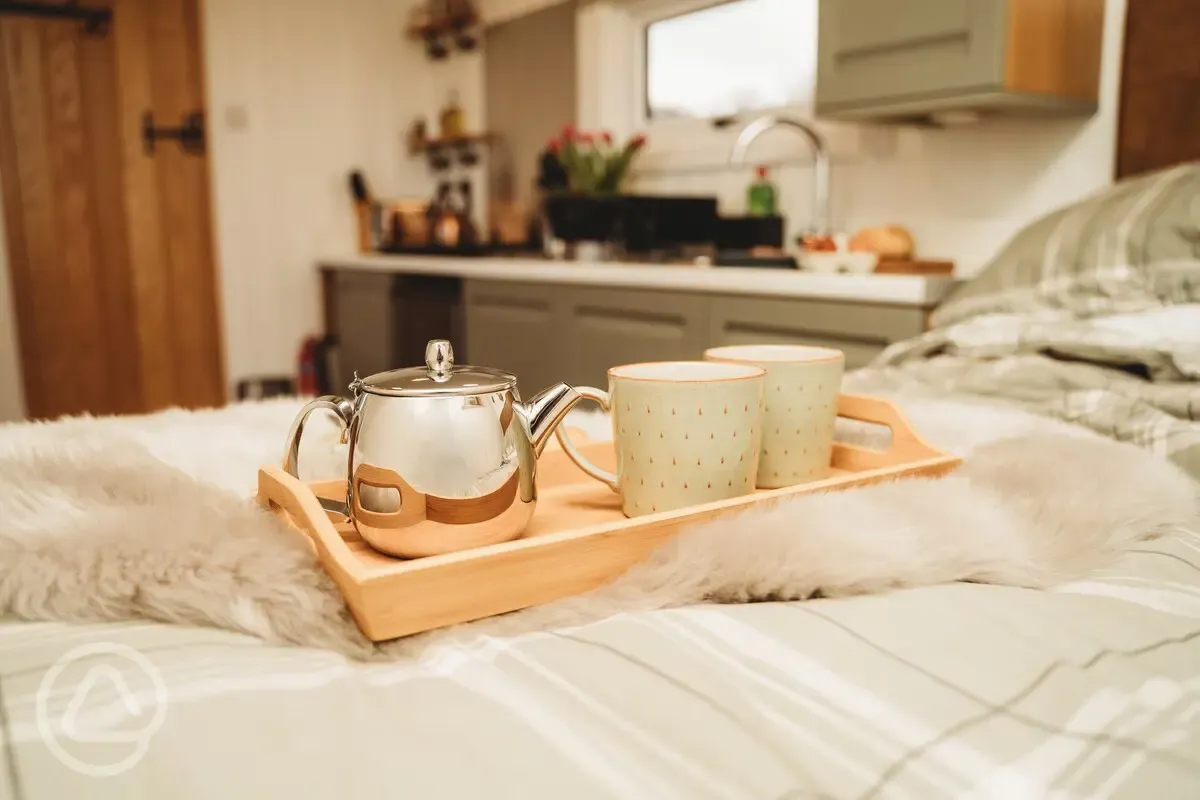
column 774, row 354
column 752, row 372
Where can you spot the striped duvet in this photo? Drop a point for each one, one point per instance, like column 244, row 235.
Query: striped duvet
column 1092, row 690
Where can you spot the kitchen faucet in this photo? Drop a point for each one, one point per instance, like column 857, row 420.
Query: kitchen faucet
column 820, row 160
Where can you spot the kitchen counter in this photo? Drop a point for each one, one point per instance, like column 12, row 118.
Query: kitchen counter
column 892, row 290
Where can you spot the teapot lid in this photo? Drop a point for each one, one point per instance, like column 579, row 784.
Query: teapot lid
column 439, row 377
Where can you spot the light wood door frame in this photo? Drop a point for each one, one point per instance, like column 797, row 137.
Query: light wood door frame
column 125, row 313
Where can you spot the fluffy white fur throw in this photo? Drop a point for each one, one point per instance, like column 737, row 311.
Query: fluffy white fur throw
column 150, row 517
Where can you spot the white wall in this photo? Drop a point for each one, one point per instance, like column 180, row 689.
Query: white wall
column 12, row 396
column 321, row 87
column 963, row 192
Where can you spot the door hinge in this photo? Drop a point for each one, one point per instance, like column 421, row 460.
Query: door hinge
column 189, row 134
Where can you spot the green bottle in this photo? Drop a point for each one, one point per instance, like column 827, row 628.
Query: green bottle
column 760, row 197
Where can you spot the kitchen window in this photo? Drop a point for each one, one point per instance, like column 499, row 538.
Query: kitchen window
column 669, row 68
column 729, row 59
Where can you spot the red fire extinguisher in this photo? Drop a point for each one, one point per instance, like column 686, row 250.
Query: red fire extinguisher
column 306, row 381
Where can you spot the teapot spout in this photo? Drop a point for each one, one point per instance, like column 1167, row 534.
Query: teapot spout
column 545, row 411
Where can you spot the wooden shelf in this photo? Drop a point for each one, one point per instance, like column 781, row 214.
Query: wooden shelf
column 457, row 141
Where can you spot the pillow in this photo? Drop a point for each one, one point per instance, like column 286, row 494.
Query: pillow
column 1131, row 247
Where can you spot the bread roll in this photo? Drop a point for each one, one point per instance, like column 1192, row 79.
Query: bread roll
column 889, row 242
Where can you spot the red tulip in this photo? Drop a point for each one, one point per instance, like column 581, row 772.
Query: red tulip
column 637, row 142
column 553, row 145
column 586, row 138
column 568, row 132
column 607, row 137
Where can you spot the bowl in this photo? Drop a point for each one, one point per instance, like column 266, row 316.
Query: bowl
column 856, row 263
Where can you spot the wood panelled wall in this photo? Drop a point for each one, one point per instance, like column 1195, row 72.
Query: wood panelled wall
column 1160, row 86
column 110, row 248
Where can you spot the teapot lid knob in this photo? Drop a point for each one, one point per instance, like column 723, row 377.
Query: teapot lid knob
column 439, row 358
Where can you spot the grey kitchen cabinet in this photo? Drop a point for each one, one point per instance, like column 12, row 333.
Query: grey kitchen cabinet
column 860, row 331
column 545, row 333
column 914, row 59
column 618, row 326
column 519, row 328
column 383, row 321
column 364, row 317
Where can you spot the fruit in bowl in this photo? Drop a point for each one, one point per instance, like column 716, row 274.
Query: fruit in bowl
column 829, row 254
column 838, row 261
column 816, row 243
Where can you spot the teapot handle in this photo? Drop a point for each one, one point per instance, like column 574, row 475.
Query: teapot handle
column 343, row 408
column 602, row 475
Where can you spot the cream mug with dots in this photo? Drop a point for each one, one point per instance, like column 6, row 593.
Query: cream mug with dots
column 686, row 433
column 800, row 409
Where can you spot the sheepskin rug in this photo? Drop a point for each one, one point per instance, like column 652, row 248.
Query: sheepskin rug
column 151, row 517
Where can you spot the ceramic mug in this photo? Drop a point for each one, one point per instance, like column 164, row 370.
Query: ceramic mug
column 686, row 433
column 800, row 409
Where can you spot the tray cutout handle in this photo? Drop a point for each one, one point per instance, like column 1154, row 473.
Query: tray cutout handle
column 280, row 492
column 412, row 502
column 906, row 444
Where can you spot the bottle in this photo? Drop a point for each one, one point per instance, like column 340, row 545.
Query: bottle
column 450, row 121
column 760, row 196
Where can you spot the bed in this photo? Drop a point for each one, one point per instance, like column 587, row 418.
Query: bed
column 1091, row 689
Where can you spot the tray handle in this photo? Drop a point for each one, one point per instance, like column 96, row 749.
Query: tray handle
column 277, row 490
column 906, row 445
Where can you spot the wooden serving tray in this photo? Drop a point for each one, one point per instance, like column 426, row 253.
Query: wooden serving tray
column 577, row 541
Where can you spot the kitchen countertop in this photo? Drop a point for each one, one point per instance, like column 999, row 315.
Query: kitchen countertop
column 903, row 290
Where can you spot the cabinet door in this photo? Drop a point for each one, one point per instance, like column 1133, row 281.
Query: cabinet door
column 895, row 50
column 515, row 327
column 427, row 307
column 365, row 322
column 609, row 327
column 860, row 331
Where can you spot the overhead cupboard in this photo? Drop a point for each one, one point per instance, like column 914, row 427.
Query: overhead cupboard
column 936, row 59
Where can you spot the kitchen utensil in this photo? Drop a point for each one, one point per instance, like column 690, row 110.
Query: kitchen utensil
column 799, row 411
column 687, row 432
column 369, row 222
column 442, row 457
column 578, row 541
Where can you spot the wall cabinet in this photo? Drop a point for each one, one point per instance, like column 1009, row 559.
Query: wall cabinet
column 915, row 59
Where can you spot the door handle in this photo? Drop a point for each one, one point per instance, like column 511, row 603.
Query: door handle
column 189, row 133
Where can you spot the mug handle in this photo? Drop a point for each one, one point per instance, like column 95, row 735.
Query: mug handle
column 344, row 409
column 602, row 475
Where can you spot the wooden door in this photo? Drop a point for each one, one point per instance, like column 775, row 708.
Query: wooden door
column 1160, row 86
column 110, row 247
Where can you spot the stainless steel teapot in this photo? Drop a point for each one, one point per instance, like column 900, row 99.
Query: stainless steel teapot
column 442, row 457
